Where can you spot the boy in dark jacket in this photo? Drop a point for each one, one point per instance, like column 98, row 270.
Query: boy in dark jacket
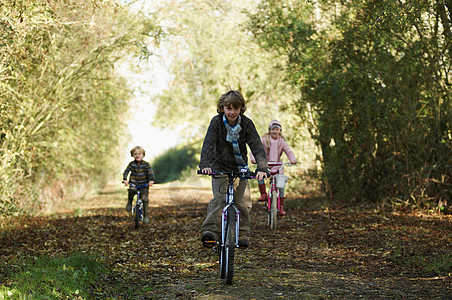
column 224, row 149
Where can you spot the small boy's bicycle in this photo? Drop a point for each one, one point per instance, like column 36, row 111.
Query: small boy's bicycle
column 278, row 181
column 137, row 209
column 230, row 224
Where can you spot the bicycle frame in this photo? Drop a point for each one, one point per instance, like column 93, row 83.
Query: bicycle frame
column 138, row 205
column 225, row 247
column 272, row 188
column 224, row 213
column 273, row 209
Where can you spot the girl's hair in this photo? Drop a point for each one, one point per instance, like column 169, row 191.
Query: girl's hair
column 137, row 148
column 231, row 98
column 267, row 140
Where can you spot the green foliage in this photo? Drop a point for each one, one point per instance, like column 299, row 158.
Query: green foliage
column 61, row 96
column 430, row 261
column 172, row 164
column 374, row 78
column 218, row 54
column 55, row 278
column 210, row 51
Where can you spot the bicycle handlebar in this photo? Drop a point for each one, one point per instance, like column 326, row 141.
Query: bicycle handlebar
column 243, row 174
column 272, row 164
column 139, row 186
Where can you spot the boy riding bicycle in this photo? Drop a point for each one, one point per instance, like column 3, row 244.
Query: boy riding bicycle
column 141, row 173
column 224, row 149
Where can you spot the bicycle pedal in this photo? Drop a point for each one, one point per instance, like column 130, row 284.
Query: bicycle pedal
column 209, row 243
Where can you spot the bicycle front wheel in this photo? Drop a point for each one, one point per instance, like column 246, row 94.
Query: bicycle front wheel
column 274, row 211
column 229, row 246
column 136, row 216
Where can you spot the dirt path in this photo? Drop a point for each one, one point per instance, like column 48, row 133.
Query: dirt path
column 318, row 252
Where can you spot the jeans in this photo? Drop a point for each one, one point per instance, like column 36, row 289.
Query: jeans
column 242, row 201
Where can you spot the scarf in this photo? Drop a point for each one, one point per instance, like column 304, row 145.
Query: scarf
column 233, row 137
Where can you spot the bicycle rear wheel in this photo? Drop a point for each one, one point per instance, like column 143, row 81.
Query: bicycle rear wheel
column 228, row 249
column 274, row 211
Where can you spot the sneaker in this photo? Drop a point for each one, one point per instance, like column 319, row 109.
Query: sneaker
column 146, row 220
column 208, row 239
column 129, row 207
column 244, row 243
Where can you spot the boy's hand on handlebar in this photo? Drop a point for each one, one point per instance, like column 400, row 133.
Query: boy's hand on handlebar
column 151, row 183
column 206, row 171
column 261, row 175
column 126, row 183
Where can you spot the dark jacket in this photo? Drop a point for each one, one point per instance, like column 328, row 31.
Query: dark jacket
column 217, row 153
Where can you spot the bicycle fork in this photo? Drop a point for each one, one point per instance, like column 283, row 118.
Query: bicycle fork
column 224, row 219
column 269, row 200
column 139, row 205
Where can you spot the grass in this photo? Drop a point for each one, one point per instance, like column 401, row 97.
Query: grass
column 70, row 277
column 438, row 264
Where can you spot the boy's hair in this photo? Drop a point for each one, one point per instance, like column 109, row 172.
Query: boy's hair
column 137, row 148
column 231, row 98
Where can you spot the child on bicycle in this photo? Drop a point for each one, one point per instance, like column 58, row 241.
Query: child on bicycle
column 224, row 149
column 275, row 144
column 141, row 173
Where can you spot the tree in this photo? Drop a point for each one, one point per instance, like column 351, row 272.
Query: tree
column 61, row 96
column 210, row 52
column 374, row 76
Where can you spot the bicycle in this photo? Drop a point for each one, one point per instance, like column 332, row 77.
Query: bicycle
column 137, row 209
column 278, row 181
column 230, row 224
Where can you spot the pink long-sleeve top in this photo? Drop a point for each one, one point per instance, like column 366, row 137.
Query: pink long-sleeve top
column 275, row 148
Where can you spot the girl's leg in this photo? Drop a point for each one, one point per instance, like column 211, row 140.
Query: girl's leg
column 262, row 190
column 281, row 202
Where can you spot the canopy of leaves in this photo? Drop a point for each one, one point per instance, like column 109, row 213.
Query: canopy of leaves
column 61, row 96
column 211, row 52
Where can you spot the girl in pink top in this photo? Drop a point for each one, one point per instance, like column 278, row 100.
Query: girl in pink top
column 275, row 144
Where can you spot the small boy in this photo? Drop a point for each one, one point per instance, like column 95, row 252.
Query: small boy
column 224, row 149
column 140, row 173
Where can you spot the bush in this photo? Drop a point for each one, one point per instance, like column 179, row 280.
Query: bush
column 171, row 165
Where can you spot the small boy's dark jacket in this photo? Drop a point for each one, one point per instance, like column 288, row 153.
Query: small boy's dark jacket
column 217, row 153
column 141, row 173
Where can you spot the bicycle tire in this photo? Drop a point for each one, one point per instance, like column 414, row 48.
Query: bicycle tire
column 136, row 216
column 269, row 210
column 230, row 245
column 223, row 261
column 222, row 258
column 274, row 211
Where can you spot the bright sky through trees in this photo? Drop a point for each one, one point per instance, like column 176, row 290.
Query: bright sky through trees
column 148, row 79
column 143, row 131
